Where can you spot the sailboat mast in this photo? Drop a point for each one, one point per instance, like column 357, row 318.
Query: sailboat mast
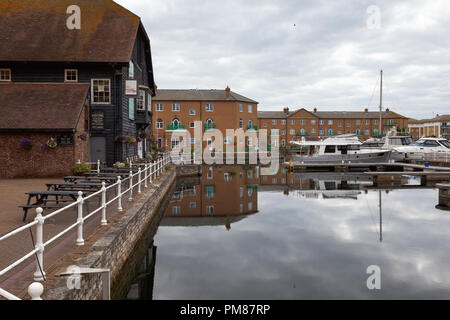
column 381, row 216
column 381, row 101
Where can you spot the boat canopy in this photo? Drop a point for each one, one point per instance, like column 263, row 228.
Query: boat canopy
column 342, row 140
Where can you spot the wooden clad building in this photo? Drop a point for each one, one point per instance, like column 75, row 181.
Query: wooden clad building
column 110, row 53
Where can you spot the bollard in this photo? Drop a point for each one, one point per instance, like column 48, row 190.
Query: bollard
column 98, row 166
column 119, row 193
column 39, row 275
column 103, row 222
column 35, row 290
column 80, row 221
column 131, row 186
column 139, row 180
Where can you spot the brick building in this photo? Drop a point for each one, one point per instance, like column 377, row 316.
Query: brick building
column 225, row 195
column 294, row 124
column 110, row 53
column 216, row 109
column 438, row 127
column 33, row 115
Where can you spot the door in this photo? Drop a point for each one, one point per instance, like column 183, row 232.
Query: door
column 98, row 149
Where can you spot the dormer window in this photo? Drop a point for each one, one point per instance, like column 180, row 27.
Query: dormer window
column 71, row 75
column 5, row 74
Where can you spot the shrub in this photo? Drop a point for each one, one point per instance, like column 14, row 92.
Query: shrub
column 119, row 165
column 81, row 168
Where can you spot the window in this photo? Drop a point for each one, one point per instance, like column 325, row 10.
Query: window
column 5, row 74
column 192, row 140
column 176, row 123
column 302, row 121
column 193, row 205
column 330, row 131
column 313, row 121
column 71, row 75
column 283, row 143
column 292, row 132
column 339, row 124
column 149, row 102
column 250, row 123
column 339, row 131
column 250, row 206
column 375, row 121
column 175, row 143
column 97, row 120
column 302, row 131
column 283, row 131
column 241, row 123
column 250, row 108
column 209, row 107
column 283, row 121
column 274, row 122
column 249, row 192
column 367, row 122
column 131, row 108
column 330, row 122
column 159, row 107
column 321, row 131
column 209, row 192
column 241, row 208
column 265, row 124
column 175, row 107
column 358, row 121
column 241, row 192
column 131, row 70
column 65, row 141
column 140, row 105
column 330, row 149
column 313, row 130
column 227, row 176
column 191, row 124
column 241, row 107
column 176, row 210
column 159, row 124
column 348, row 124
column 101, row 91
column 210, row 173
column 192, row 112
column 292, row 121
column 366, row 132
column 209, row 209
column 321, row 122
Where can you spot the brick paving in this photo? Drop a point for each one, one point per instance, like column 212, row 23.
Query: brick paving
column 12, row 194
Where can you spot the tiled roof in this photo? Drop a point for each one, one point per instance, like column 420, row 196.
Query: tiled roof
column 441, row 118
column 198, row 95
column 41, row 106
column 332, row 114
column 35, row 30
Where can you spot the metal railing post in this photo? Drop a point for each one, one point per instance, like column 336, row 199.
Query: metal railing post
column 35, row 290
column 131, row 186
column 80, row 221
column 139, row 180
column 119, row 193
column 39, row 274
column 145, row 175
column 103, row 222
column 98, row 166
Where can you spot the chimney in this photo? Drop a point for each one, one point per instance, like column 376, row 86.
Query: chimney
column 227, row 92
column 315, row 110
column 387, row 109
column 366, row 110
column 286, row 110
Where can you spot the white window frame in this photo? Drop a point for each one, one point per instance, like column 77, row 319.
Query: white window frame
column 92, row 90
column 140, row 101
column 174, row 109
column 176, row 210
column 321, row 122
column 160, row 124
column 313, row 121
column 192, row 125
column 330, row 122
column 291, row 132
column 159, row 107
column 70, row 70
column 209, row 107
column 8, row 72
column 192, row 112
column 283, row 121
column 241, row 107
column 250, row 108
column 274, row 122
column 210, row 210
column 192, row 205
column 292, row 121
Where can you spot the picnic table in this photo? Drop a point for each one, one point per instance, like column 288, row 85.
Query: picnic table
column 72, row 186
column 42, row 200
column 110, row 174
column 90, row 178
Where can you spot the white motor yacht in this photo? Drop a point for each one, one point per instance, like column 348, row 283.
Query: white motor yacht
column 418, row 149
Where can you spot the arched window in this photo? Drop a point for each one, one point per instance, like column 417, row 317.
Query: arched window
column 330, row 131
column 302, row 131
column 159, row 124
column 175, row 122
column 209, row 124
column 250, row 123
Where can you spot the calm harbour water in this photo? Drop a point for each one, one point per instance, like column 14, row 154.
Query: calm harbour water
column 308, row 240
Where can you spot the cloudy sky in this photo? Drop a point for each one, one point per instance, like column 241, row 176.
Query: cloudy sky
column 305, row 53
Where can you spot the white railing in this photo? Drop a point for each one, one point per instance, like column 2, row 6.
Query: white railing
column 144, row 176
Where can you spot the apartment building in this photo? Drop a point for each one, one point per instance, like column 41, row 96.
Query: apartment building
column 438, row 127
column 293, row 125
column 216, row 109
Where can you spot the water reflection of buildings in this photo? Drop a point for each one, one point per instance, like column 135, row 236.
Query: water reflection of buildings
column 221, row 196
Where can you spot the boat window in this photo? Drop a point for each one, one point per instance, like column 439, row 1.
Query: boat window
column 445, row 143
column 330, row 149
column 353, row 147
column 396, row 141
column 406, row 141
column 431, row 143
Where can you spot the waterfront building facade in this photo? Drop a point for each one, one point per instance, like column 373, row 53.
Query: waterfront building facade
column 110, row 52
column 438, row 127
column 175, row 110
column 314, row 124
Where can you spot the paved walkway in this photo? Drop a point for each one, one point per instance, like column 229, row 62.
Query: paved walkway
column 12, row 194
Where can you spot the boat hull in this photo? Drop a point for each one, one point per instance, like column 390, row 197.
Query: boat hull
column 372, row 157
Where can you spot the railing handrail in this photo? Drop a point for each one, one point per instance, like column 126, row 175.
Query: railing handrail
column 151, row 170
